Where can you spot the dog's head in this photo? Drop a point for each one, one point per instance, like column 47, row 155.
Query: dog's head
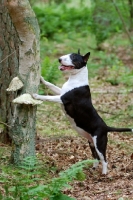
column 73, row 61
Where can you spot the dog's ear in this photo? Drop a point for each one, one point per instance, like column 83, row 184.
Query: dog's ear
column 79, row 51
column 86, row 57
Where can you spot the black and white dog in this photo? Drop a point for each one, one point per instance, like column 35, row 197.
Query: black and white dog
column 75, row 98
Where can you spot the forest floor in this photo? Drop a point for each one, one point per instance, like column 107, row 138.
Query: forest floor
column 63, row 147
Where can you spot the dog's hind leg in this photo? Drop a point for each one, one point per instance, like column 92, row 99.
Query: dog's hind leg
column 89, row 138
column 100, row 143
column 51, row 86
column 94, row 154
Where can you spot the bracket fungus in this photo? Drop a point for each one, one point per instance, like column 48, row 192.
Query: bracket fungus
column 27, row 99
column 15, row 84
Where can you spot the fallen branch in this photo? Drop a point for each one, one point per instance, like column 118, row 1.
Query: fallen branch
column 59, row 152
column 106, row 112
column 101, row 91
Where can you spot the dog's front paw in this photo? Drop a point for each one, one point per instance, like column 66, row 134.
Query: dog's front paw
column 35, row 96
column 43, row 81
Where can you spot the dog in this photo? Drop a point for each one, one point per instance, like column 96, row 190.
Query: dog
column 75, row 98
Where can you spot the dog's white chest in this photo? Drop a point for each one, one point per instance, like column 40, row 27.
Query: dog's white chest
column 76, row 80
column 66, row 88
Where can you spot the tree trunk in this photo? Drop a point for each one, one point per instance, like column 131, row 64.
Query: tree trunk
column 26, row 66
column 9, row 54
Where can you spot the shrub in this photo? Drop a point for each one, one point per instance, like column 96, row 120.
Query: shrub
column 106, row 19
column 119, row 73
column 49, row 70
column 99, row 17
column 55, row 19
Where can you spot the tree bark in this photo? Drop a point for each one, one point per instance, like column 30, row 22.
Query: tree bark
column 9, row 54
column 27, row 67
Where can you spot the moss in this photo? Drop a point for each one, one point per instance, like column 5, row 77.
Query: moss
column 32, row 22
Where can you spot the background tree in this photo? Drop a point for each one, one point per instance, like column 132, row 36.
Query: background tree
column 19, row 57
column 130, row 2
column 109, row 17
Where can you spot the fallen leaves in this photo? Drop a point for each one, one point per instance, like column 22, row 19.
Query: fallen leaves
column 65, row 151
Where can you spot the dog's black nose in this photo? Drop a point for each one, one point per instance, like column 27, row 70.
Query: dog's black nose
column 59, row 59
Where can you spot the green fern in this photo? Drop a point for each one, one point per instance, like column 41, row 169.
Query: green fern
column 54, row 188
column 25, row 182
column 62, row 197
column 49, row 70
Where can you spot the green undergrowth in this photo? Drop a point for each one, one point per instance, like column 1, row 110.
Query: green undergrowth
column 62, row 18
column 119, row 73
column 50, row 70
column 31, row 180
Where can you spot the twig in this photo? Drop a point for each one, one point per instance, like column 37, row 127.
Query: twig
column 59, row 152
column 102, row 111
column 124, row 25
column 7, row 57
column 101, row 191
column 112, row 92
column 5, row 124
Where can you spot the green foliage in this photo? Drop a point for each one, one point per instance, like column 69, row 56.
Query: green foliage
column 55, row 19
column 26, row 182
column 16, row 181
column 98, row 17
column 62, row 197
column 53, row 189
column 49, row 70
column 119, row 74
column 106, row 20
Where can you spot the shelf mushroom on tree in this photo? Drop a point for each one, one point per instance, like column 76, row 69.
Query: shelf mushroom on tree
column 15, row 85
column 23, row 76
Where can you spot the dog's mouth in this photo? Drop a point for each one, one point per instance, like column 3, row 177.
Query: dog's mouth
column 64, row 67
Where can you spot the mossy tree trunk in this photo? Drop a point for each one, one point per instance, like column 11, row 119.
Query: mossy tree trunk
column 19, row 56
column 9, row 53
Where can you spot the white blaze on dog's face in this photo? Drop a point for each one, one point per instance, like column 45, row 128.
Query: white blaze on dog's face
column 73, row 62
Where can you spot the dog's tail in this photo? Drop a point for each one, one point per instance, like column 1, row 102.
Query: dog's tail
column 113, row 129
